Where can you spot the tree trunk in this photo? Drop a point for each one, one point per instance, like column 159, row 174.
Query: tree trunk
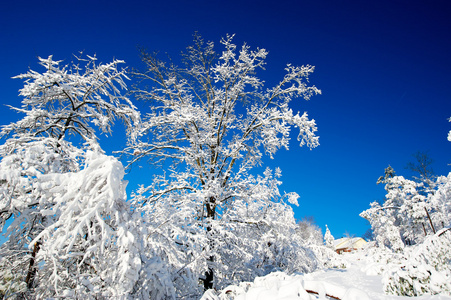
column 32, row 268
column 430, row 221
column 208, row 281
column 209, row 275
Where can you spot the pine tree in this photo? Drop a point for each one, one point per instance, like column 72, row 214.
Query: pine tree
column 329, row 239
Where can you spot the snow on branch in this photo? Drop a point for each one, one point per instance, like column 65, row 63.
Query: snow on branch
column 68, row 98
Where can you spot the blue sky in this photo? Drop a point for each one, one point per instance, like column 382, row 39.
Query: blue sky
column 383, row 68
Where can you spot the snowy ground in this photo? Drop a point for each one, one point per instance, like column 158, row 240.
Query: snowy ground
column 355, row 277
column 352, row 283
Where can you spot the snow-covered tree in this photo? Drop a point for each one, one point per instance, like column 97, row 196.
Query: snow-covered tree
column 388, row 173
column 66, row 100
column 410, row 212
column 91, row 250
column 61, row 105
column 422, row 268
column 329, row 239
column 309, row 232
column 440, row 202
column 401, row 219
column 22, row 197
column 422, row 168
column 209, row 123
column 407, row 207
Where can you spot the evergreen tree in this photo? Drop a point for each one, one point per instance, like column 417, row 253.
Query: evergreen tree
column 329, row 239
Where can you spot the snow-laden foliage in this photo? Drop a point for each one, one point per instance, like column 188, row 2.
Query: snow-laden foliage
column 409, row 212
column 77, row 226
column 89, row 251
column 63, row 101
column 328, row 258
column 382, row 223
column 23, row 196
column 68, row 99
column 440, row 202
column 253, row 237
column 64, row 109
column 275, row 285
column 209, row 123
column 414, row 222
column 422, row 269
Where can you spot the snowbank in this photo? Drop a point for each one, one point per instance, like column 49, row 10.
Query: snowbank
column 280, row 286
column 359, row 281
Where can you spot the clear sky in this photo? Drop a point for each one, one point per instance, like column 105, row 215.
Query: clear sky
column 383, row 68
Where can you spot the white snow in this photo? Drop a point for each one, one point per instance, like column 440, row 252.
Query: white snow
column 352, row 283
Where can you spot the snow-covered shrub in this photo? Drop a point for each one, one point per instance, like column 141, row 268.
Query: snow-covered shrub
column 426, row 269
column 416, row 280
column 379, row 259
column 420, row 269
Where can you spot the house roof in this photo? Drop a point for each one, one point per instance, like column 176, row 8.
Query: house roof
column 344, row 243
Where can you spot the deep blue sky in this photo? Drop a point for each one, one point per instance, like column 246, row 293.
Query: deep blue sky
column 383, row 68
